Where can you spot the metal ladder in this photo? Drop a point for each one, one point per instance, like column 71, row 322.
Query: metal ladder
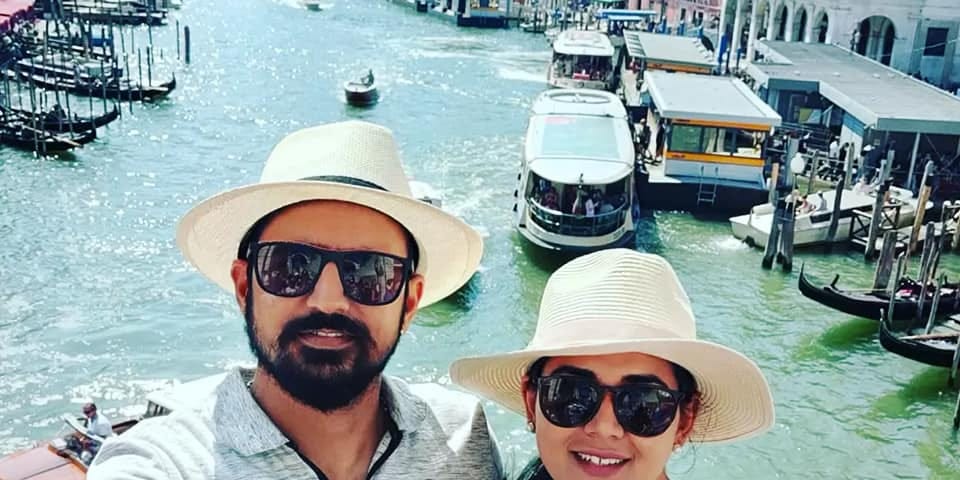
column 707, row 192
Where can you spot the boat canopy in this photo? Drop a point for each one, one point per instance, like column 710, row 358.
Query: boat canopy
column 585, row 43
column 623, row 15
column 579, row 102
column 184, row 394
column 669, row 51
column 712, row 99
column 574, row 171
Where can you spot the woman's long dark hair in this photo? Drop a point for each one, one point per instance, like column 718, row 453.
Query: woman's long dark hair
column 685, row 383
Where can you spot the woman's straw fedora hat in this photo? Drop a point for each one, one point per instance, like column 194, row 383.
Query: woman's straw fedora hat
column 355, row 162
column 617, row 301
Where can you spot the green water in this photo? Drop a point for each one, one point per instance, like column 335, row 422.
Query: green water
column 96, row 302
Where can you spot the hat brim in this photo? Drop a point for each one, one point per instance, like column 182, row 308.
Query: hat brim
column 736, row 402
column 210, row 233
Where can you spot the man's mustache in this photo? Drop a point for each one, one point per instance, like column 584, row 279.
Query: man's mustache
column 320, row 320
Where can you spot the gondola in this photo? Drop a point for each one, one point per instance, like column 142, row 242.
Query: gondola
column 361, row 92
column 936, row 349
column 868, row 303
column 62, row 124
column 122, row 90
column 19, row 135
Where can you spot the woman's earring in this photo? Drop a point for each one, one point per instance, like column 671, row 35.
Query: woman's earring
column 530, row 426
column 677, row 447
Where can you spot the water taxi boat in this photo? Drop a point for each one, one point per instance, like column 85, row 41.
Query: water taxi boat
column 812, row 225
column 582, row 59
column 576, row 185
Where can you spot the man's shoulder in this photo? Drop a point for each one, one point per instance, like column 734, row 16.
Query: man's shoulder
column 168, row 446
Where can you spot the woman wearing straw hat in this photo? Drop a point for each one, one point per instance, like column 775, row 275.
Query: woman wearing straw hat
column 614, row 380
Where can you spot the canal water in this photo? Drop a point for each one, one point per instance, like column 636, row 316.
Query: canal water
column 96, row 302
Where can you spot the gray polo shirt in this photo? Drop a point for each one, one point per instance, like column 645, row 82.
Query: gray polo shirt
column 225, row 435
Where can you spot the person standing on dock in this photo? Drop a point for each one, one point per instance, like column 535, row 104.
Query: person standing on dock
column 332, row 201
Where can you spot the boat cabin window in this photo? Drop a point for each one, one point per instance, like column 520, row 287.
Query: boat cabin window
column 716, row 140
column 578, row 136
column 154, row 410
column 581, row 67
column 577, row 210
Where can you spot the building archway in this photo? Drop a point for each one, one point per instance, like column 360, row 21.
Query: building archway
column 822, row 28
column 800, row 24
column 877, row 36
column 780, row 23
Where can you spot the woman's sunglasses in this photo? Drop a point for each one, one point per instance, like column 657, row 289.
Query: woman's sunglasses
column 288, row 269
column 643, row 409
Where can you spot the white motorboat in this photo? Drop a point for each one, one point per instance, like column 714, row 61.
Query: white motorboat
column 362, row 92
column 316, row 5
column 811, row 227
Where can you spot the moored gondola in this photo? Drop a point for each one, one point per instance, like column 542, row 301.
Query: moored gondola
column 22, row 136
column 114, row 89
column 58, row 121
column 868, row 303
column 936, row 349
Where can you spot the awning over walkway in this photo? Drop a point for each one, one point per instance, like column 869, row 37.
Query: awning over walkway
column 668, row 49
column 880, row 97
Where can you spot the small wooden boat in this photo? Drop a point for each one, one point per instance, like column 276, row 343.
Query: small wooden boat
column 55, row 121
column 936, row 349
column 63, row 457
column 121, row 89
column 869, row 303
column 316, row 5
column 25, row 137
column 362, row 92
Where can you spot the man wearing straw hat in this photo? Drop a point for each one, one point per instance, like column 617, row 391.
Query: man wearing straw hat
column 300, row 251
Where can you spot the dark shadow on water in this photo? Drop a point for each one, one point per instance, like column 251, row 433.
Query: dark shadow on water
column 838, row 341
column 648, row 233
column 446, row 311
column 928, row 387
column 546, row 260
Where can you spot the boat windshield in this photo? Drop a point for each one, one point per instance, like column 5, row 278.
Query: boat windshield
column 579, row 136
column 577, row 210
column 581, row 67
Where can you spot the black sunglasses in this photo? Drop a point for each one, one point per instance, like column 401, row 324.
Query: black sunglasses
column 643, row 409
column 288, row 269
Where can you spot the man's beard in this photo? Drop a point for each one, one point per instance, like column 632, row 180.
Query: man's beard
column 326, row 380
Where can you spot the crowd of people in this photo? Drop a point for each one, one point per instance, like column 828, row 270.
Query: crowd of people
column 577, row 200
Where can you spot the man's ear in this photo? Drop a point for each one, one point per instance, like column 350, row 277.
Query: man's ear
column 412, row 300
column 241, row 282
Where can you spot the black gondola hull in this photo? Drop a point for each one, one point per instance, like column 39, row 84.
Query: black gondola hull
column 870, row 304
column 937, row 353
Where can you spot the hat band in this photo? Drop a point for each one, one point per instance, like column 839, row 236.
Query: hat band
column 244, row 248
column 347, row 180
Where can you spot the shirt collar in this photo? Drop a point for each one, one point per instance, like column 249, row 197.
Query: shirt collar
column 241, row 424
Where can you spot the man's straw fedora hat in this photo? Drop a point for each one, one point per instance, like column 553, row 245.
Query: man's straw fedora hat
column 618, row 301
column 355, row 162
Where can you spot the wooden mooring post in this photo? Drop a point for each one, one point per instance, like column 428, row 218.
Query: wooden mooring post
column 773, row 241
column 921, row 206
column 835, row 216
column 926, row 269
column 870, row 251
column 954, row 211
column 933, row 306
column 785, row 258
column 888, row 250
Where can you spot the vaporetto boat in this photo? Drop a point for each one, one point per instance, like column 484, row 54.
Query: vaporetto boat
column 576, row 185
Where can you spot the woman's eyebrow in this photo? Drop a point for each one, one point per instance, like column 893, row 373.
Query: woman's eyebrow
column 569, row 370
column 643, row 379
